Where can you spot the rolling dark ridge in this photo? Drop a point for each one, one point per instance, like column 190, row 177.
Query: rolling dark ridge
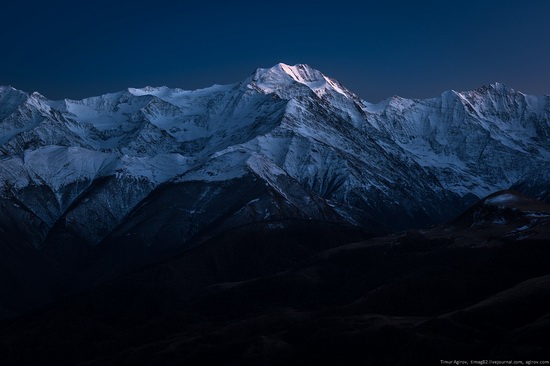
column 293, row 293
column 222, row 258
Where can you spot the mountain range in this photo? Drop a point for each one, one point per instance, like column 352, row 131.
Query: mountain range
column 287, row 162
column 160, row 165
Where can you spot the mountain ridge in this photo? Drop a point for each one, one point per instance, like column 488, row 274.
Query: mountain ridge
column 131, row 177
column 161, row 135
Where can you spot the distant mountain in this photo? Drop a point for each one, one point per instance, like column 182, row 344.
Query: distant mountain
column 297, row 143
column 93, row 188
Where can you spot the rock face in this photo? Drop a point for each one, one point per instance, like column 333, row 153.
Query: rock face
column 147, row 172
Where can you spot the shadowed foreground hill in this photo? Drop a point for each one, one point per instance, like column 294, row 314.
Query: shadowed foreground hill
column 295, row 294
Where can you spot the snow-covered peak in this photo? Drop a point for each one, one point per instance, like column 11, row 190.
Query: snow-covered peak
column 398, row 103
column 302, row 73
column 281, row 77
column 148, row 90
column 495, row 88
column 10, row 98
column 9, row 94
column 181, row 97
column 7, row 89
column 504, row 103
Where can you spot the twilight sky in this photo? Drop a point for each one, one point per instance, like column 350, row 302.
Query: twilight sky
column 375, row 48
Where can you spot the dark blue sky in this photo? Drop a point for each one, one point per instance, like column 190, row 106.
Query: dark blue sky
column 377, row 49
